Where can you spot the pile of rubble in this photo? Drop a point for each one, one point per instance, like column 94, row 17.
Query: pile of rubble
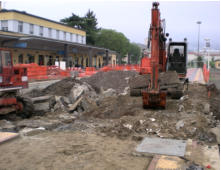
column 76, row 96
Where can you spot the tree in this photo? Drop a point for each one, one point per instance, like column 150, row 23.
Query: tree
column 73, row 21
column 212, row 63
column 199, row 61
column 113, row 40
column 87, row 23
column 134, row 53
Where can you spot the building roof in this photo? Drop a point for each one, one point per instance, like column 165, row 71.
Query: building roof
column 28, row 14
column 10, row 36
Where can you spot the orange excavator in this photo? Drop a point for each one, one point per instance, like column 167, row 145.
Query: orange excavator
column 153, row 96
column 164, row 71
column 12, row 79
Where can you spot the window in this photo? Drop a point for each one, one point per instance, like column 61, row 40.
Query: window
column 31, row 58
column 31, row 30
column 5, row 25
column 82, row 39
column 20, row 26
column 71, row 38
column 57, row 34
column 41, row 31
column 64, row 35
column 20, row 59
column 76, row 38
column 49, row 33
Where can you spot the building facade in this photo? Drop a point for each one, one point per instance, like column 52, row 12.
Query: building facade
column 24, row 23
column 33, row 39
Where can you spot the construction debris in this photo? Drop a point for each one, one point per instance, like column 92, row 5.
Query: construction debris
column 105, row 108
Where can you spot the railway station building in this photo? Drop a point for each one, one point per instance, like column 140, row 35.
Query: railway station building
column 34, row 39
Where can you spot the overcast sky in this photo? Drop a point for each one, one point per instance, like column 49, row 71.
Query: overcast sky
column 133, row 17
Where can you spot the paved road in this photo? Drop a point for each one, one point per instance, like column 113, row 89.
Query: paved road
column 195, row 75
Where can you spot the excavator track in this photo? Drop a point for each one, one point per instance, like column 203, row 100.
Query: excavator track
column 169, row 82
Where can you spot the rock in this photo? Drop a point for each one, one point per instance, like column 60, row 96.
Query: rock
column 152, row 119
column 179, row 124
column 109, row 93
column 183, row 98
column 7, row 126
column 128, row 126
column 181, row 108
column 77, row 91
column 206, row 108
column 31, row 132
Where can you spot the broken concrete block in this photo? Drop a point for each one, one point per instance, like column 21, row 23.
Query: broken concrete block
column 76, row 91
column 73, row 107
column 41, row 107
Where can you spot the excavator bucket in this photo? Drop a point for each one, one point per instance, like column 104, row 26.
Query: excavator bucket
column 154, row 99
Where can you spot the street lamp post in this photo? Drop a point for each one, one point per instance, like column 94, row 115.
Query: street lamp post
column 207, row 50
column 199, row 22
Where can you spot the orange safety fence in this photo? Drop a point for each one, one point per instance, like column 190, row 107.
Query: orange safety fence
column 205, row 73
column 36, row 72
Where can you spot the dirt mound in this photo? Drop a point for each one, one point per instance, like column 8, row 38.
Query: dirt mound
column 117, row 80
column 60, row 88
column 115, row 107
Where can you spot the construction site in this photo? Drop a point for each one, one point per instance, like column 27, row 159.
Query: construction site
column 105, row 115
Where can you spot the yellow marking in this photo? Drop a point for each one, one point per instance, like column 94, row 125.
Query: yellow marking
column 169, row 162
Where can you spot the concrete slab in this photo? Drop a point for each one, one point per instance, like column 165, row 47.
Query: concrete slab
column 5, row 136
column 162, row 146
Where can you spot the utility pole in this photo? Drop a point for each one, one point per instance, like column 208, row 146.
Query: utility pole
column 199, row 22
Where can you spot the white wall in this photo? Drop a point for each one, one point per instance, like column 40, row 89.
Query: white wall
column 13, row 26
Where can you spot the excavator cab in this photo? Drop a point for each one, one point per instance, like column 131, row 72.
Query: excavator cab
column 11, row 77
column 177, row 58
